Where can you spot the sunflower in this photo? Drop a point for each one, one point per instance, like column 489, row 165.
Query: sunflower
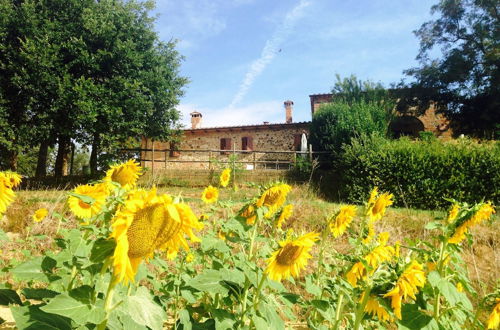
column 40, row 214
column 273, row 198
column 6, row 193
column 285, row 214
column 374, row 258
column 12, row 179
column 494, row 318
column 406, row 286
column 145, row 223
column 125, row 174
column 374, row 308
column 377, row 204
column 342, row 220
column 291, row 257
column 249, row 213
column 357, row 272
column 452, row 215
column 189, row 258
column 225, row 177
column 85, row 209
column 483, row 213
column 210, row 195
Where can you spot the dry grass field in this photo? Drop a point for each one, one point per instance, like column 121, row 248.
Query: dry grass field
column 22, row 237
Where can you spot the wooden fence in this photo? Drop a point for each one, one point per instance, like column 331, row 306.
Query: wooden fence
column 210, row 158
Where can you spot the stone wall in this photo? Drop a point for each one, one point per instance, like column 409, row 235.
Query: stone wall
column 270, row 146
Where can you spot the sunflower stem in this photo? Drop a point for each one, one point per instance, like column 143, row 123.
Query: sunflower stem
column 252, row 239
column 360, row 311
column 437, row 301
column 256, row 297
column 338, row 311
column 108, row 303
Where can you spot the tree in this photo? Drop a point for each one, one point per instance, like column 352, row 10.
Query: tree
column 86, row 71
column 357, row 108
column 465, row 79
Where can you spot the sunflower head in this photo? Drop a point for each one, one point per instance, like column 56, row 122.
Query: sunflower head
column 87, row 200
column 339, row 224
column 125, row 174
column 210, row 195
column 291, row 257
column 285, row 214
column 406, row 286
column 11, row 179
column 6, row 193
column 377, row 204
column 273, row 198
column 145, row 223
column 225, row 177
column 249, row 213
column 452, row 214
column 494, row 318
column 40, row 214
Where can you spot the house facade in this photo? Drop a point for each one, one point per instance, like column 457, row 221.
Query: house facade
column 266, row 145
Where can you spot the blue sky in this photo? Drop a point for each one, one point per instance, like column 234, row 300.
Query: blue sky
column 245, row 57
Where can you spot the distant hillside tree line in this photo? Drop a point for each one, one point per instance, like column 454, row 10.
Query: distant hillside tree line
column 84, row 71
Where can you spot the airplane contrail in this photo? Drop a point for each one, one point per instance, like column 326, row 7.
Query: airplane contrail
column 271, row 48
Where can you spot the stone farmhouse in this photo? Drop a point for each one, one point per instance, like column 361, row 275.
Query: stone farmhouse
column 266, row 145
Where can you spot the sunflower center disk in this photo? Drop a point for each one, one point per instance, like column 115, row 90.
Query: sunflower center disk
column 143, row 232
column 289, row 254
column 272, row 198
column 84, row 205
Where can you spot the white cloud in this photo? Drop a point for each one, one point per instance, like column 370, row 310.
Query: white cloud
column 255, row 113
column 270, row 50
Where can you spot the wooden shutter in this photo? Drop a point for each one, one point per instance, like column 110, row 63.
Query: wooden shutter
column 297, row 139
column 247, row 143
column 225, row 144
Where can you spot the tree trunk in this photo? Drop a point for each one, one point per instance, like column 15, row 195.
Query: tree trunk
column 12, row 160
column 63, row 154
column 95, row 152
column 41, row 165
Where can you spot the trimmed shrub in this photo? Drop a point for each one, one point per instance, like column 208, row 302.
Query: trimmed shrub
column 421, row 174
column 337, row 123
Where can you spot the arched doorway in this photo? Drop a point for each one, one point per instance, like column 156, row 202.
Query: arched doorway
column 406, row 126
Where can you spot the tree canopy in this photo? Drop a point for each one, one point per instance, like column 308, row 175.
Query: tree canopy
column 464, row 76
column 85, row 71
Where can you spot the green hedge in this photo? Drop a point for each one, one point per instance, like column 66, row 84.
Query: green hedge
column 421, row 174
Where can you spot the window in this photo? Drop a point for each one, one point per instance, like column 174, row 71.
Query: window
column 247, row 143
column 225, row 144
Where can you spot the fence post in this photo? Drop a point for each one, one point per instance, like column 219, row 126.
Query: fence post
column 209, row 160
column 165, row 159
column 254, row 160
column 153, row 161
column 310, row 153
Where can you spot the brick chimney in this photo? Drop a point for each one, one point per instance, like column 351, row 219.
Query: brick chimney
column 288, row 111
column 195, row 119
